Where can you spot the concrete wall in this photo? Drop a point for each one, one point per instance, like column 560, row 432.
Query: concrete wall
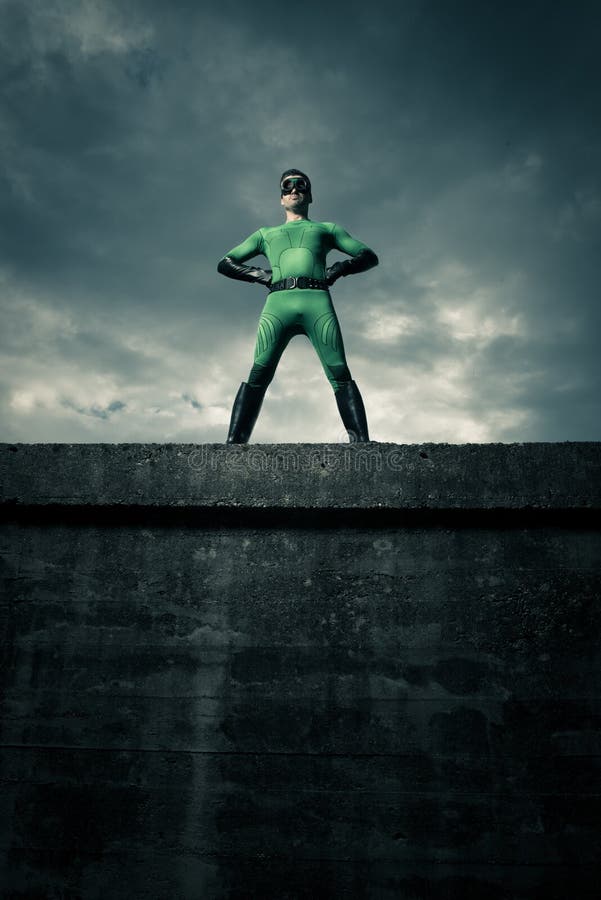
column 300, row 671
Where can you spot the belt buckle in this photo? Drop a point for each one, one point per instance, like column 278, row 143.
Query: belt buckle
column 291, row 282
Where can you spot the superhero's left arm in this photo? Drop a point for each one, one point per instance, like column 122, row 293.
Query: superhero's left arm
column 363, row 257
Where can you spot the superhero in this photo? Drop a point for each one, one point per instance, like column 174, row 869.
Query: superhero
column 298, row 302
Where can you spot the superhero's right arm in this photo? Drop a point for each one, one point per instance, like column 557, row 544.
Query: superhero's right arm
column 231, row 266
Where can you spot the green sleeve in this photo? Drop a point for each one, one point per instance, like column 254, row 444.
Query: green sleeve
column 252, row 246
column 347, row 244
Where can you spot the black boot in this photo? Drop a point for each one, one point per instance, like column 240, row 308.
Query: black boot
column 352, row 412
column 244, row 413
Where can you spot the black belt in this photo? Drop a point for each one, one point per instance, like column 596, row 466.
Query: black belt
column 301, row 282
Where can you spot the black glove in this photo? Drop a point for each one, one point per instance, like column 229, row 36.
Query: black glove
column 333, row 273
column 232, row 269
column 365, row 259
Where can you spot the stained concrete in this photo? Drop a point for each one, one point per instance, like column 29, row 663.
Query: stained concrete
column 214, row 708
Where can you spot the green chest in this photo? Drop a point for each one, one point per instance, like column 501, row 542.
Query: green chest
column 297, row 249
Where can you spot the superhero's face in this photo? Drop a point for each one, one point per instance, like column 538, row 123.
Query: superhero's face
column 295, row 193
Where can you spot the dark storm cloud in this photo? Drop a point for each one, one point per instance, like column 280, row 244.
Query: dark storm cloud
column 113, row 407
column 142, row 141
column 193, row 403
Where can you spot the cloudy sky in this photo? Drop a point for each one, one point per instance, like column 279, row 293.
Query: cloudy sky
column 143, row 140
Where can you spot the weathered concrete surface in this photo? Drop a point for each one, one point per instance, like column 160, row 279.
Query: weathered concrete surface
column 312, row 476
column 373, row 712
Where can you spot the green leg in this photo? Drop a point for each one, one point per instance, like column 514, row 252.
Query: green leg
column 326, row 337
column 272, row 337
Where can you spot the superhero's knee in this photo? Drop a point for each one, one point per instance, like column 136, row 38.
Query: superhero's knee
column 338, row 375
column 261, row 376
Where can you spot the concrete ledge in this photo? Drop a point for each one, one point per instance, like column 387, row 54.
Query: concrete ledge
column 374, row 476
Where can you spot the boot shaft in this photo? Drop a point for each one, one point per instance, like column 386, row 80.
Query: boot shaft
column 352, row 412
column 245, row 413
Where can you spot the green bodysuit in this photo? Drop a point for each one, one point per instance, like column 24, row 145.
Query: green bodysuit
column 294, row 249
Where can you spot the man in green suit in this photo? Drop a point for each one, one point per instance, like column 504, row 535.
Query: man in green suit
column 298, row 302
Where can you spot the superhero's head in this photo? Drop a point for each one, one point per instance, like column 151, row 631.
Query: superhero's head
column 294, row 177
